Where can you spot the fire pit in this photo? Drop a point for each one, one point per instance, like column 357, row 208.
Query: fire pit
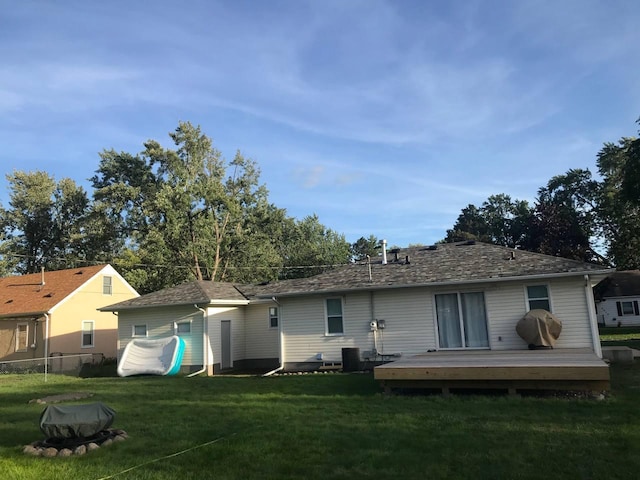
column 75, row 429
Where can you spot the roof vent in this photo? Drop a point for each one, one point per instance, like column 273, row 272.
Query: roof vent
column 384, row 252
column 468, row 242
column 9, row 301
column 48, row 295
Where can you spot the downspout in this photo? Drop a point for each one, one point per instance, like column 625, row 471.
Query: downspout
column 205, row 343
column 46, row 345
column 280, row 342
column 591, row 308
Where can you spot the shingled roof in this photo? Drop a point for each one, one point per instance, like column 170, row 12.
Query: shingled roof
column 619, row 284
column 27, row 294
column 197, row 292
column 467, row 262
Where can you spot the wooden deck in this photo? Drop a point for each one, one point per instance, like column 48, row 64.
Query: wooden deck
column 511, row 370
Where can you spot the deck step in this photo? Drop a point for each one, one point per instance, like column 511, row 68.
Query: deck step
column 331, row 366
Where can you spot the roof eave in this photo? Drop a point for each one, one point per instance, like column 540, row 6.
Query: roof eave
column 24, row 314
column 116, row 308
column 541, row 276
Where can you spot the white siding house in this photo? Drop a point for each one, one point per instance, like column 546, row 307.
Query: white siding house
column 467, row 296
column 618, row 299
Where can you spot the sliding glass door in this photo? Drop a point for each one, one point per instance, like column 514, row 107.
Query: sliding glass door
column 462, row 320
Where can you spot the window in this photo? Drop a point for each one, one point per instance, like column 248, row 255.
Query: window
column 273, row 317
column 627, row 308
column 183, row 328
column 107, row 285
column 87, row 333
column 538, row 297
column 462, row 320
column 139, row 330
column 334, row 316
column 22, row 337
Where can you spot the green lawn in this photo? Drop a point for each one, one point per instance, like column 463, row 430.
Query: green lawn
column 328, row 427
column 620, row 336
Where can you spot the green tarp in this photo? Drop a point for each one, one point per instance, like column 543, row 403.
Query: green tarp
column 71, row 421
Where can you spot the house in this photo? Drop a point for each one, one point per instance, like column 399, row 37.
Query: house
column 56, row 312
column 223, row 325
column 452, row 297
column 617, row 298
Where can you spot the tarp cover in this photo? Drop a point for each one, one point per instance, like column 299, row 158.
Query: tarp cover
column 71, row 421
column 539, row 328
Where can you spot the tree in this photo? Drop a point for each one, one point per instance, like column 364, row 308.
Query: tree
column 45, row 224
column 564, row 219
column 619, row 201
column 186, row 213
column 311, row 248
column 499, row 220
column 364, row 247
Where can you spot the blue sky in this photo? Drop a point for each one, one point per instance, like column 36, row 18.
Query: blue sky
column 382, row 117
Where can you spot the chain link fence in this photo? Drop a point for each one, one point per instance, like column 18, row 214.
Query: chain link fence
column 57, row 363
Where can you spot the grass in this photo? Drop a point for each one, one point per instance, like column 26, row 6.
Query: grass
column 327, row 426
column 620, row 336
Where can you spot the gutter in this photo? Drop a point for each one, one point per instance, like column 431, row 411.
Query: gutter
column 280, row 342
column 593, row 320
column 222, row 303
column 46, row 345
column 205, row 343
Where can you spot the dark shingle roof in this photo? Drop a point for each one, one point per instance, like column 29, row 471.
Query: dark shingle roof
column 196, row 292
column 443, row 264
column 619, row 284
column 446, row 264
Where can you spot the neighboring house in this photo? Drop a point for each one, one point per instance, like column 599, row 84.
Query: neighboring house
column 56, row 312
column 447, row 297
column 617, row 299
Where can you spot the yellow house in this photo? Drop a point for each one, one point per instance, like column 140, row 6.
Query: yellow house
column 56, row 312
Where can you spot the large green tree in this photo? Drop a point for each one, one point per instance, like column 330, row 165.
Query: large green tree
column 499, row 220
column 185, row 212
column 45, row 224
column 619, row 201
column 564, row 222
column 363, row 247
column 312, row 248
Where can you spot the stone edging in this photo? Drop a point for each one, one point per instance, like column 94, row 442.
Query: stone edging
column 37, row 449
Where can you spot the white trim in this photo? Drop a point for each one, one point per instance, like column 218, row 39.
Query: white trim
column 459, row 294
column 106, row 270
column 623, row 314
column 133, row 330
column 110, row 285
column 26, row 346
column 326, row 317
column 276, row 316
column 527, row 305
column 593, row 319
column 93, row 334
column 183, row 322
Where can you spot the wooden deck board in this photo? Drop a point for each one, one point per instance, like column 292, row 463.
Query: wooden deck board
column 535, row 368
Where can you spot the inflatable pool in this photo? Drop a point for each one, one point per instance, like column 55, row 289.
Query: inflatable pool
column 160, row 356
